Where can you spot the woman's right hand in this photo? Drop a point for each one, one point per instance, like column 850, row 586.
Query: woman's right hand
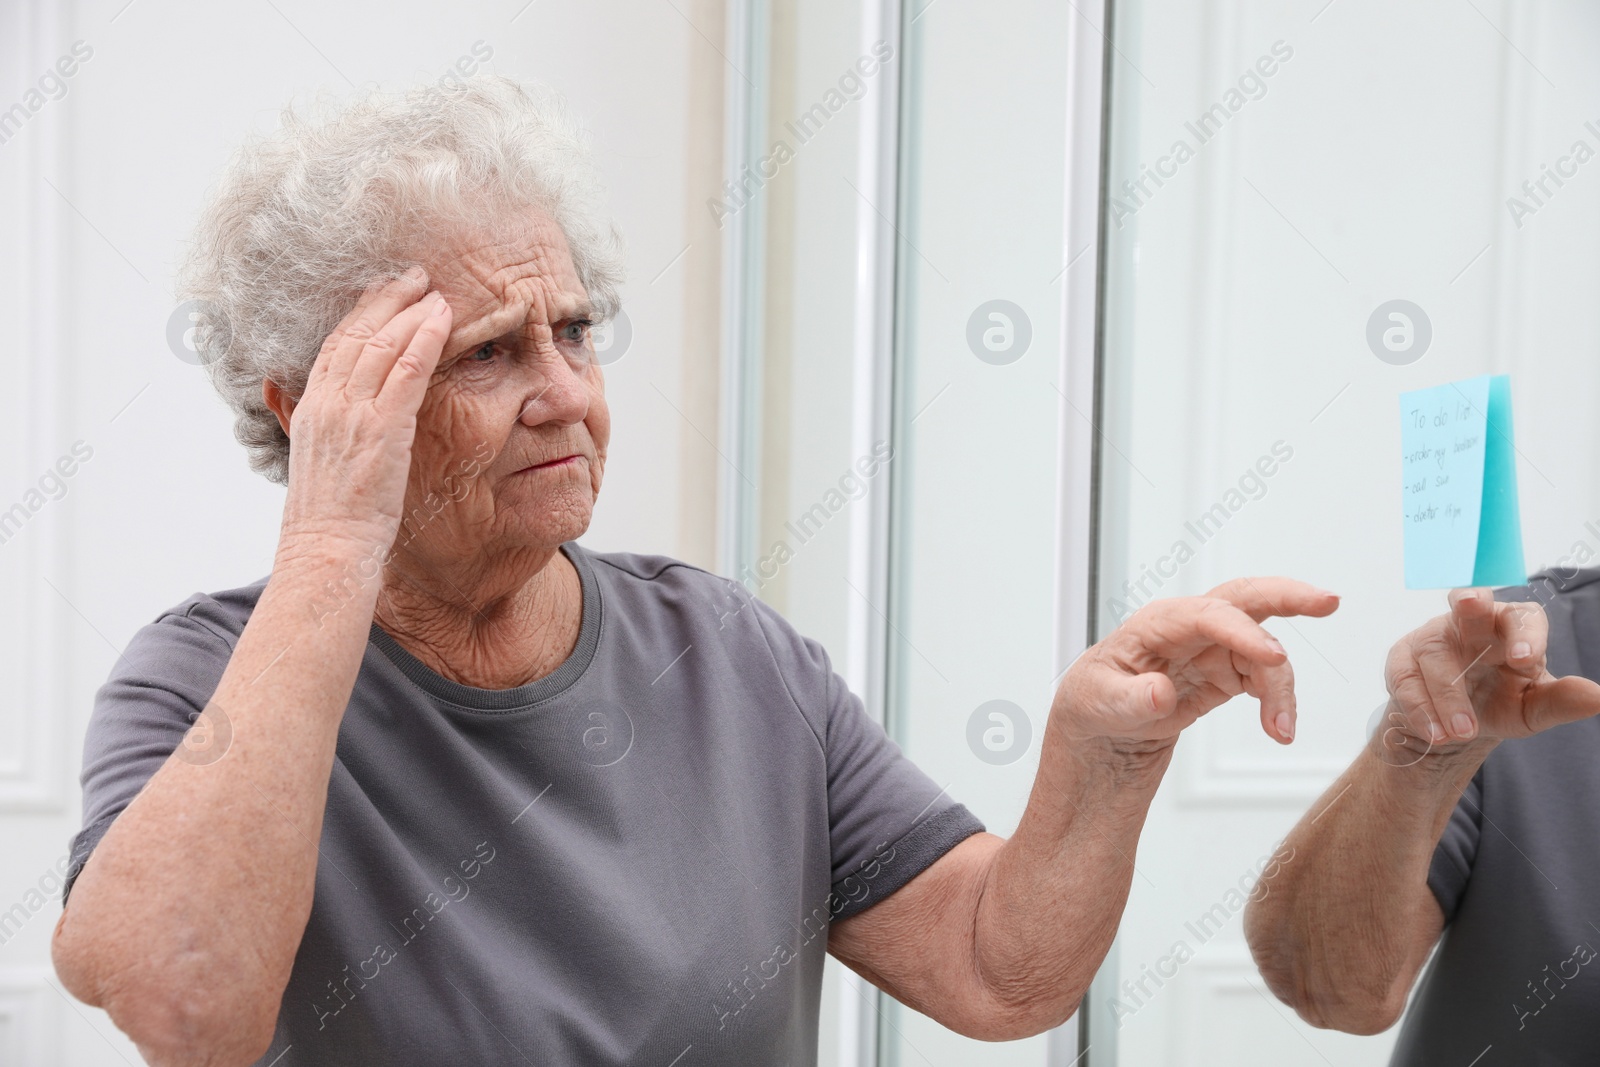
column 1477, row 674
column 351, row 431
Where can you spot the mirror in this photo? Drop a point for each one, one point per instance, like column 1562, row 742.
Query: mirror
column 1279, row 176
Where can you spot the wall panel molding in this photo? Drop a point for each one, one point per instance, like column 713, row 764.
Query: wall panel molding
column 34, row 35
column 29, row 1020
column 1211, row 774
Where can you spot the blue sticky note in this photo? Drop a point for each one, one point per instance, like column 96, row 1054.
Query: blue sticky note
column 1459, row 485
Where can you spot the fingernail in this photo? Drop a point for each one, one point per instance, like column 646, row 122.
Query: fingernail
column 1285, row 725
column 1435, row 732
column 1521, row 649
column 1462, row 724
column 416, row 273
column 1272, row 643
column 1328, row 592
column 441, row 305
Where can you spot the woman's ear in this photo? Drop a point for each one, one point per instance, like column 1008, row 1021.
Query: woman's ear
column 279, row 402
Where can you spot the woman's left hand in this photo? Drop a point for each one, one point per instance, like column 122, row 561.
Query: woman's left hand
column 1174, row 660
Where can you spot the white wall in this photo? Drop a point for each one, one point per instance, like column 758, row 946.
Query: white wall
column 166, row 505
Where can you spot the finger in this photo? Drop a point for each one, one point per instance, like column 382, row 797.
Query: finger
column 1473, row 616
column 1523, row 630
column 1262, row 598
column 408, row 381
column 1410, row 692
column 1219, row 622
column 1164, row 697
column 1560, row 700
column 1274, row 688
column 1135, row 697
column 378, row 355
column 1443, row 673
column 1224, row 672
column 381, row 302
column 1108, row 700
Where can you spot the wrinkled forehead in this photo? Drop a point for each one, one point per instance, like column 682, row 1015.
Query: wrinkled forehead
column 515, row 270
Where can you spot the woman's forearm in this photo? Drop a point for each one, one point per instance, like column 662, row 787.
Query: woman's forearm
column 185, row 923
column 1055, row 893
column 1350, row 921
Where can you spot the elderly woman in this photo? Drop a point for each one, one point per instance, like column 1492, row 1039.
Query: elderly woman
column 448, row 787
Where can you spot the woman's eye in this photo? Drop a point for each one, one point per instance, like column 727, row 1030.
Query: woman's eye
column 576, row 331
column 482, row 354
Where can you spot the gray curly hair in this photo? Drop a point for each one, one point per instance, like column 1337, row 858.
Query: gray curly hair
column 306, row 218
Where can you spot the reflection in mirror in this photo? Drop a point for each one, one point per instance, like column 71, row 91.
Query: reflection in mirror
column 1313, row 208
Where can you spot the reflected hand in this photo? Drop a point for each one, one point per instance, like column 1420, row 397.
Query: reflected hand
column 1174, row 660
column 1477, row 673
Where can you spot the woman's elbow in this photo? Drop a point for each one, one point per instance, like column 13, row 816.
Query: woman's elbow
column 1296, row 981
column 1280, row 960
column 1356, row 1004
column 173, row 1022
column 1266, row 933
column 74, row 964
column 1011, row 1015
column 1359, row 1012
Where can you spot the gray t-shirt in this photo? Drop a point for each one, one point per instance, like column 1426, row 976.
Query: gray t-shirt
column 633, row 860
column 1516, row 979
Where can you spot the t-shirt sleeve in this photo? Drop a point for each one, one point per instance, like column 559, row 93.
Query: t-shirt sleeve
column 1457, row 849
column 887, row 820
column 156, row 691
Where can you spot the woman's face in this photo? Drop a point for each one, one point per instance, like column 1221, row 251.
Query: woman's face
column 511, row 437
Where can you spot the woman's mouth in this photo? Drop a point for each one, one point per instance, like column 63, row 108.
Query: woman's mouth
column 553, row 464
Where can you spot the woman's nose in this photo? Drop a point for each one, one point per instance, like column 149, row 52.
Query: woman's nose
column 560, row 395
